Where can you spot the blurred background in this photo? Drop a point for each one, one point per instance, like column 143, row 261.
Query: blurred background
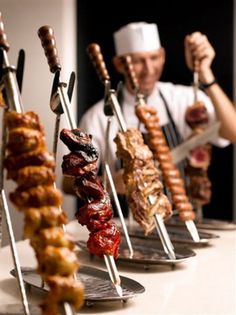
column 175, row 19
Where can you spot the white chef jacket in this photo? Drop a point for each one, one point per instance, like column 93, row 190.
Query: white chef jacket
column 177, row 97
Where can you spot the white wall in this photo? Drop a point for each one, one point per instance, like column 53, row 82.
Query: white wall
column 234, row 96
column 22, row 19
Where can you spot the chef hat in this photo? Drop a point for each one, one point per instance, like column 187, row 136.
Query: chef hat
column 136, row 37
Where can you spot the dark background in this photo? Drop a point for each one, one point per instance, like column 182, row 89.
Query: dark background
column 97, row 20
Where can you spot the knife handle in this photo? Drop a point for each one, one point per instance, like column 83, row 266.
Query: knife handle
column 94, row 52
column 46, row 35
column 3, row 37
column 129, row 69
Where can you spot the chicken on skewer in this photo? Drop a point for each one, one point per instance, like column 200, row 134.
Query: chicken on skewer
column 10, row 98
column 37, row 197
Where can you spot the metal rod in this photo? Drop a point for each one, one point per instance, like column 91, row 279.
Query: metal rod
column 195, row 84
column 56, row 133
column 161, row 229
column 117, row 111
column 113, row 273
column 65, row 105
column 165, row 240
column 67, row 308
column 192, row 230
column 11, row 86
column 117, row 203
column 108, row 175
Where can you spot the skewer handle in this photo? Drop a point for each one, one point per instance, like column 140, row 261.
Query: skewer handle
column 129, row 69
column 94, row 52
column 46, row 35
column 3, row 37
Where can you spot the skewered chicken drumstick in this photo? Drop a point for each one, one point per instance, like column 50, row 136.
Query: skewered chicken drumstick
column 30, row 165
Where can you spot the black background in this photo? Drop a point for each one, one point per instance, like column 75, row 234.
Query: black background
column 97, row 20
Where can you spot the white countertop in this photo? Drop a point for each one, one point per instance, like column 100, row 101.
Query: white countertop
column 204, row 284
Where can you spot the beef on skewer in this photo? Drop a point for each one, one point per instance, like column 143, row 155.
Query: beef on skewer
column 37, row 198
column 199, row 187
column 96, row 212
column 141, row 178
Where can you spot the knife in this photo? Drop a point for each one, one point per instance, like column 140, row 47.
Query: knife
column 182, row 151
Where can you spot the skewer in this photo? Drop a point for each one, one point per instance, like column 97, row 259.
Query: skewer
column 108, row 175
column 189, row 224
column 160, row 226
column 97, row 58
column 195, row 89
column 195, row 84
column 46, row 34
column 140, row 101
column 161, row 229
column 14, row 102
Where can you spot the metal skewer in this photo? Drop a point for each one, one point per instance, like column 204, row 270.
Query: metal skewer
column 161, row 229
column 109, row 260
column 46, row 33
column 97, row 58
column 140, row 98
column 107, row 171
column 14, row 103
column 195, row 84
column 141, row 101
column 190, row 226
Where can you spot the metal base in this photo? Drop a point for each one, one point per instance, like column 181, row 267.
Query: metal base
column 148, row 252
column 97, row 284
column 209, row 224
column 177, row 235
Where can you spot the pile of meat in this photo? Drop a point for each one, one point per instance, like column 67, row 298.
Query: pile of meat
column 144, row 190
column 31, row 166
column 96, row 212
column 199, row 187
column 171, row 175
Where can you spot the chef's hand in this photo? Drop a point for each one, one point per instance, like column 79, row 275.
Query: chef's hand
column 199, row 55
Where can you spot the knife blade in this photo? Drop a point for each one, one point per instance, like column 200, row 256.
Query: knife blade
column 182, row 151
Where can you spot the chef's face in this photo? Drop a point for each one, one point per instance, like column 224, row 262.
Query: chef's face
column 148, row 67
